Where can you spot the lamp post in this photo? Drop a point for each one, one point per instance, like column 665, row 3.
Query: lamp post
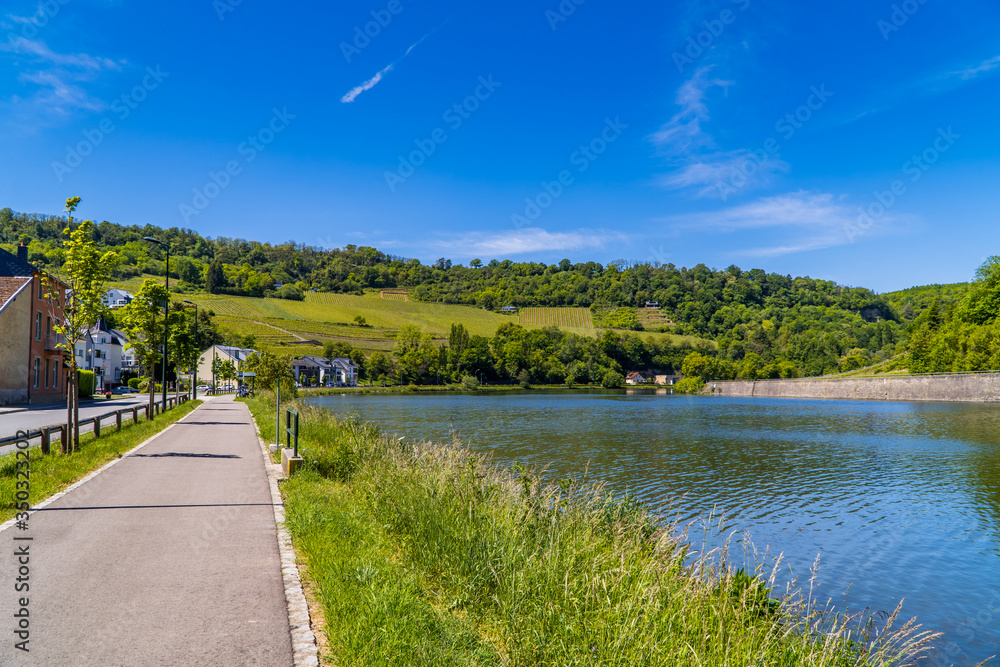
column 166, row 314
column 194, row 382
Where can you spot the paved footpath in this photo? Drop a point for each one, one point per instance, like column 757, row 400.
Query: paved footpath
column 167, row 558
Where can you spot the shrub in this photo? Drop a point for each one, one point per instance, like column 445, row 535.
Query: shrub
column 86, row 379
column 613, row 380
column 290, row 292
column 470, row 382
column 133, row 383
column 689, row 386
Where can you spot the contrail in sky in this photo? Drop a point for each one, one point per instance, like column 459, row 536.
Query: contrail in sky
column 372, row 82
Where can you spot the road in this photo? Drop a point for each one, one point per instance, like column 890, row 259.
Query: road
column 14, row 420
column 169, row 557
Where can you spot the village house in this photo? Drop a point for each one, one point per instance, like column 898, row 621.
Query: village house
column 117, row 298
column 32, row 308
column 238, row 355
column 317, row 370
column 103, row 351
column 635, row 378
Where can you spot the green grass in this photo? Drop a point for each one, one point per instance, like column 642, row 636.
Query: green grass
column 53, row 473
column 430, row 555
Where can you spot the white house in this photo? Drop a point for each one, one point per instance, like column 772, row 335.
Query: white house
column 103, row 350
column 319, row 370
column 116, row 298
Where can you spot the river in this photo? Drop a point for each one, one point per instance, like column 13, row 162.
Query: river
column 900, row 501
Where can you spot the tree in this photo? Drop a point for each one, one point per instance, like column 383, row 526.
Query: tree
column 476, row 263
column 144, row 328
column 88, row 271
column 613, row 380
column 215, row 278
column 271, row 369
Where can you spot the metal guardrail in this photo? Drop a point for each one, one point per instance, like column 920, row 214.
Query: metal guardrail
column 45, row 432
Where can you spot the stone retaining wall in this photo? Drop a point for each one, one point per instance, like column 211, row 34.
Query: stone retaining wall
column 974, row 388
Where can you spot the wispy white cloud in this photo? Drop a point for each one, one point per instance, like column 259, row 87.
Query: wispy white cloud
column 57, row 78
column 691, row 150
column 34, row 47
column 353, row 93
column 987, row 65
column 806, row 221
column 531, row 239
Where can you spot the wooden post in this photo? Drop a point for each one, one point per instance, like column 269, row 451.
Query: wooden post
column 118, row 420
column 45, row 442
column 135, row 416
column 97, row 427
column 63, row 439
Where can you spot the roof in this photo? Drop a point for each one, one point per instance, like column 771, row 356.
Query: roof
column 235, row 352
column 10, row 288
column 12, row 267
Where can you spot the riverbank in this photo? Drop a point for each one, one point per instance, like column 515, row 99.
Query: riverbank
column 959, row 387
column 436, row 388
column 426, row 554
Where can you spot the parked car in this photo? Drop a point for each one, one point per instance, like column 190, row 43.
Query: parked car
column 124, row 390
column 202, row 388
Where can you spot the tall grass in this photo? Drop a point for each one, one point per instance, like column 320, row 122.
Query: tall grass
column 427, row 554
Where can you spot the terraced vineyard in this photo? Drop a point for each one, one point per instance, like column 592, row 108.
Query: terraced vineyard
column 564, row 318
column 654, row 318
column 300, row 327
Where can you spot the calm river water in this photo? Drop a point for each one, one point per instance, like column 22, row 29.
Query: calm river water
column 899, row 500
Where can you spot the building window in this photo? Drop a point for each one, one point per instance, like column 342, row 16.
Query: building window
column 38, row 326
column 38, row 370
column 46, row 376
column 41, row 288
column 55, row 374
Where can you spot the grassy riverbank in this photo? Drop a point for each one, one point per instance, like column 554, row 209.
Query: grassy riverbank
column 53, row 473
column 429, row 555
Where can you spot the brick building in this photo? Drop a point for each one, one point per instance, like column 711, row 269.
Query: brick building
column 46, row 378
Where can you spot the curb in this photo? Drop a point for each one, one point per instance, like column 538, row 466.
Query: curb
column 304, row 651
column 75, row 485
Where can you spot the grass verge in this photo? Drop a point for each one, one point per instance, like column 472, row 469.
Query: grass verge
column 430, row 555
column 53, row 473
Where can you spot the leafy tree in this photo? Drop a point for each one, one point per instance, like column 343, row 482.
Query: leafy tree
column 143, row 324
column 215, row 278
column 88, row 271
column 613, row 380
column 272, row 369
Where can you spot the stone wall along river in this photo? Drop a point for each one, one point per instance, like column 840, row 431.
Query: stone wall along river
column 964, row 388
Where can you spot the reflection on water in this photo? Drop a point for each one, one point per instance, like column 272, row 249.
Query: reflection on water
column 900, row 500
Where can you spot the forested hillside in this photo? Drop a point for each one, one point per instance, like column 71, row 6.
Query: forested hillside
column 763, row 323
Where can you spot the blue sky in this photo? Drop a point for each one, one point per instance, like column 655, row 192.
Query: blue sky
column 854, row 141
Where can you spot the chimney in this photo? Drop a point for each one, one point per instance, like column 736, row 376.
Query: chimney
column 22, row 253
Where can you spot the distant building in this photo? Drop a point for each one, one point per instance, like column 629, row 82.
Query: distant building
column 669, row 380
column 238, row 355
column 117, row 298
column 652, row 304
column 509, row 309
column 318, row 370
column 103, row 350
column 635, row 378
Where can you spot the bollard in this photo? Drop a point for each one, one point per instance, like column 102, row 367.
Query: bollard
column 46, row 435
column 97, row 427
column 118, row 420
column 63, row 438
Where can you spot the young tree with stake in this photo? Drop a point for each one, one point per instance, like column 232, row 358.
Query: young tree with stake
column 88, row 272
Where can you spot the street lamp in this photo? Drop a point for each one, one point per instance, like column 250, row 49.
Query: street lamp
column 166, row 313
column 194, row 382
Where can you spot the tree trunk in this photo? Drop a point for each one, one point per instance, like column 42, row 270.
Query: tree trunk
column 76, row 411
column 69, row 412
column 152, row 392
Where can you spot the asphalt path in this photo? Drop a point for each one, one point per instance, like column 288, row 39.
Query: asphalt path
column 167, row 558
